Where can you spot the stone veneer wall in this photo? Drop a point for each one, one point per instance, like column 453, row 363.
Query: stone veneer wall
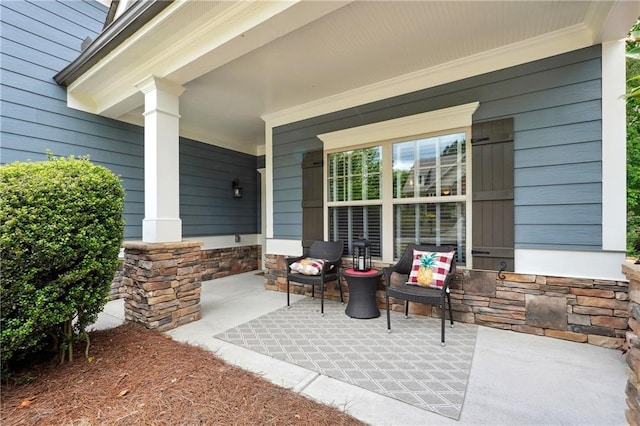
column 581, row 310
column 276, row 279
column 162, row 282
column 632, row 413
column 218, row 263
column 215, row 263
column 118, row 289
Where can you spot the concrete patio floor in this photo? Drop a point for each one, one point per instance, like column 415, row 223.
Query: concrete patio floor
column 515, row 378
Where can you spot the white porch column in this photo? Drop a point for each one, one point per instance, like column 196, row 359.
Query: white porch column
column 614, row 149
column 161, row 158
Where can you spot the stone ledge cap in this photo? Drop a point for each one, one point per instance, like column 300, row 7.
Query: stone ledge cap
column 141, row 245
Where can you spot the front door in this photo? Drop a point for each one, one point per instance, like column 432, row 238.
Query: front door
column 492, row 186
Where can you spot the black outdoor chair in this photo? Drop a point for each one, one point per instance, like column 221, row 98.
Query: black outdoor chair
column 414, row 293
column 331, row 252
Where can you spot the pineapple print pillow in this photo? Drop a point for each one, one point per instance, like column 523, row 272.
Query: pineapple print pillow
column 429, row 268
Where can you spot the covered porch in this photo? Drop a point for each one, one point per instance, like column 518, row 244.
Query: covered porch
column 218, row 84
column 513, row 377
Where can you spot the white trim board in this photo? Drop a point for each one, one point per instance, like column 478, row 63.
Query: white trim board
column 614, row 153
column 284, row 247
column 428, row 122
column 573, row 264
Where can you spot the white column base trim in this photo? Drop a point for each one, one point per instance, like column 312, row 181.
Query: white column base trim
column 283, row 247
column 574, row 264
column 161, row 230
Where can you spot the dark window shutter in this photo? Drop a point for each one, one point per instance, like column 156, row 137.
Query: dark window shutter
column 492, row 178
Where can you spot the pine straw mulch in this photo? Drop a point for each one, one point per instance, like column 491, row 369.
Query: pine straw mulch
column 142, row 377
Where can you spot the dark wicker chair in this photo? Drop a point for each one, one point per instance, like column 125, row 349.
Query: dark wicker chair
column 414, row 293
column 331, row 251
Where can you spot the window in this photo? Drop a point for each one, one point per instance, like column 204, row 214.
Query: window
column 355, row 175
column 390, row 185
column 429, row 188
column 429, row 167
column 354, row 193
column 350, row 223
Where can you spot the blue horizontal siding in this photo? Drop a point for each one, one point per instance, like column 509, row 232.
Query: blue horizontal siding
column 207, row 206
column 563, row 173
column 289, row 231
column 581, row 214
column 563, row 236
column 568, row 154
column 568, row 134
column 287, row 172
column 17, row 56
column 91, row 144
column 560, row 115
column 55, row 114
column 556, row 106
column 544, row 100
column 83, row 15
column 289, row 184
column 38, row 40
column 287, row 181
column 558, row 194
column 290, row 205
column 242, row 218
column 25, row 22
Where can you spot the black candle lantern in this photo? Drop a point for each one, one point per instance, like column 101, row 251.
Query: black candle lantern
column 362, row 255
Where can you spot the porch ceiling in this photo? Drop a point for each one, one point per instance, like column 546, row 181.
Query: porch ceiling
column 243, row 61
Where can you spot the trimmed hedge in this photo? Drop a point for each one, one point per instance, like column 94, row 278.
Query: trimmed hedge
column 61, row 230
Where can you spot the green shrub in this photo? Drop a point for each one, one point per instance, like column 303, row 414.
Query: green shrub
column 61, row 229
column 633, row 142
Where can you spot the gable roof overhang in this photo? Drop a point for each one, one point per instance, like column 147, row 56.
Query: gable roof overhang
column 247, row 61
column 134, row 18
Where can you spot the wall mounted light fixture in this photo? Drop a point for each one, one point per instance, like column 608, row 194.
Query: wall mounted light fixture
column 237, row 189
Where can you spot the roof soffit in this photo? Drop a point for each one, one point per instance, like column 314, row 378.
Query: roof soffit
column 186, row 40
column 244, row 60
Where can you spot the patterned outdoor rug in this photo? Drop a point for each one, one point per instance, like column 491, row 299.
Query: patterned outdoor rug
column 408, row 364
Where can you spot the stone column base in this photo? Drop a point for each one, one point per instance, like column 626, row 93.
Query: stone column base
column 162, row 283
column 632, row 390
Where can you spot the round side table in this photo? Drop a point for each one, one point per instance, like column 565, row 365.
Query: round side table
column 362, row 293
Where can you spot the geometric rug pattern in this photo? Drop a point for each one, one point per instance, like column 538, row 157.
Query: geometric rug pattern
column 408, row 364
